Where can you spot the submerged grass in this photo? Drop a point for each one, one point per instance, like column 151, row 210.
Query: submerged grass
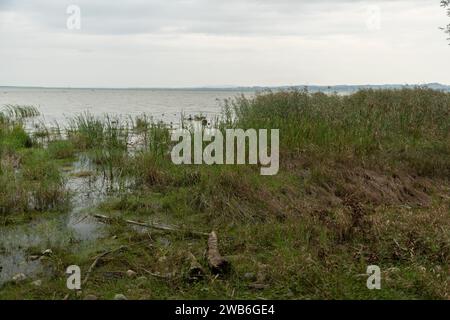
column 364, row 179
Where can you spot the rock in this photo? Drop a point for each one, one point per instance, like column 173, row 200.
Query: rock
column 131, row 274
column 19, row 277
column 120, row 297
column 90, row 297
column 47, row 252
column 37, row 283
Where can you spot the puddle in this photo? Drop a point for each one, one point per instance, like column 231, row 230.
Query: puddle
column 73, row 228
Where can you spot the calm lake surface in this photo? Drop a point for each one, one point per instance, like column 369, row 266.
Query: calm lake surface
column 163, row 104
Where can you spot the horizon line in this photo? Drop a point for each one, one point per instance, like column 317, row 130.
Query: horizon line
column 229, row 87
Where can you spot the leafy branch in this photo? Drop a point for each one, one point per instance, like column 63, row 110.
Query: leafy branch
column 446, row 4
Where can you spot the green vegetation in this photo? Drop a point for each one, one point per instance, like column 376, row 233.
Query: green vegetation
column 364, row 180
column 29, row 177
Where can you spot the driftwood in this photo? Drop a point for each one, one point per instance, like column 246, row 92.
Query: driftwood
column 155, row 226
column 216, row 262
column 196, row 271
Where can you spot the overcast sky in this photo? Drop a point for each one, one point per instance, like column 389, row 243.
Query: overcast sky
column 185, row 43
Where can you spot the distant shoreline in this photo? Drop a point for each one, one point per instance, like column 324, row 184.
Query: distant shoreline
column 331, row 88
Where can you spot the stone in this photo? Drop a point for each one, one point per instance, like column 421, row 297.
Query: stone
column 90, row 297
column 19, row 277
column 120, row 297
column 37, row 283
column 131, row 274
column 47, row 252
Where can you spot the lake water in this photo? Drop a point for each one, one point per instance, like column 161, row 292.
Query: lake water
column 163, row 104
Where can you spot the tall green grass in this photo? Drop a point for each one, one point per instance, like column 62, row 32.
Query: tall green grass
column 12, row 132
column 29, row 177
column 401, row 125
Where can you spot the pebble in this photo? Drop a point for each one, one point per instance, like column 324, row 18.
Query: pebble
column 19, row 277
column 37, row 283
column 131, row 274
column 90, row 297
column 47, row 252
column 120, row 297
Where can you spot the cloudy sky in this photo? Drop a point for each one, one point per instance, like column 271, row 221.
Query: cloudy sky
column 185, row 43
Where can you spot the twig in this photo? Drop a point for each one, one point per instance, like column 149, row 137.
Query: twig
column 156, row 226
column 156, row 275
column 82, row 219
column 97, row 259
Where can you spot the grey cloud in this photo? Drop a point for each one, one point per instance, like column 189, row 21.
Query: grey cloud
column 233, row 17
column 162, row 43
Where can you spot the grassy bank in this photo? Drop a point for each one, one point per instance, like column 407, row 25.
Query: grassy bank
column 364, row 180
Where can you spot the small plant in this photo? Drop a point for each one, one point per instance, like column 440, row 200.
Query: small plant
column 61, row 149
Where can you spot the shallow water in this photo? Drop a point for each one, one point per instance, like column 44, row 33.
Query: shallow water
column 162, row 104
column 73, row 227
column 77, row 226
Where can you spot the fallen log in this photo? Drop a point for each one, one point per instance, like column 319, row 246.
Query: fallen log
column 155, row 226
column 216, row 262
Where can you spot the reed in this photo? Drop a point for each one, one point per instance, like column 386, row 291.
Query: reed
column 390, row 125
